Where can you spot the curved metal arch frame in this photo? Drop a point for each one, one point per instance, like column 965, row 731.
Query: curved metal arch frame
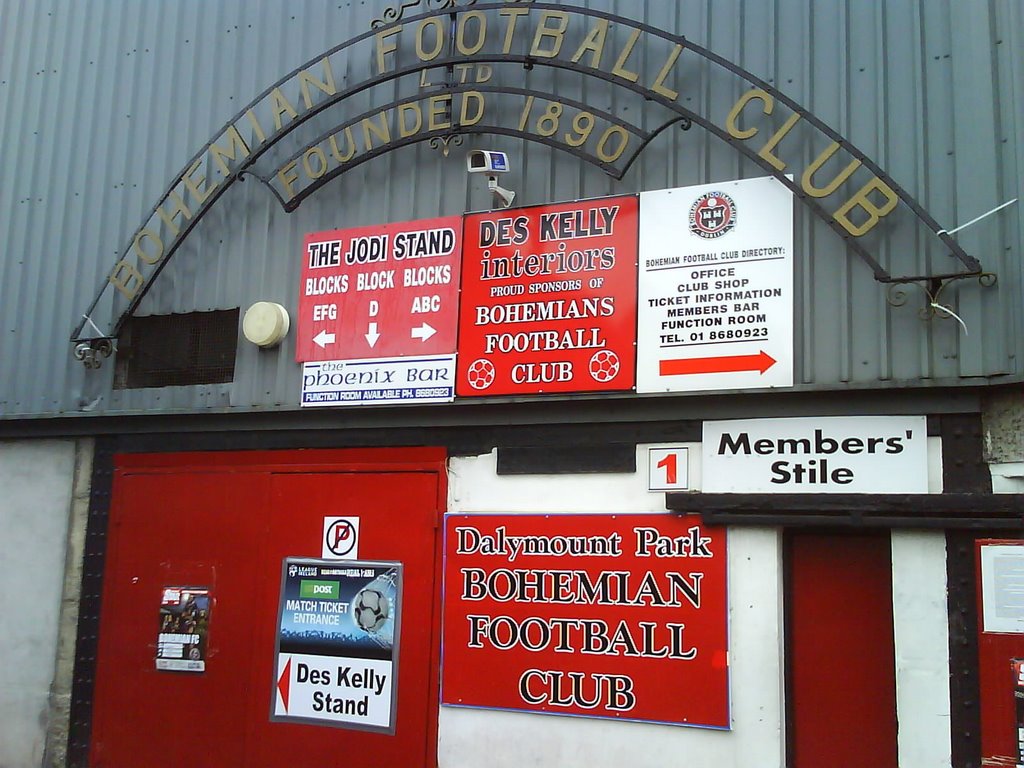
column 880, row 273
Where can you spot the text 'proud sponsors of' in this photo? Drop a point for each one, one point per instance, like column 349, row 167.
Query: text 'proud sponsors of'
column 549, row 299
column 380, row 292
column 621, row 616
column 715, row 307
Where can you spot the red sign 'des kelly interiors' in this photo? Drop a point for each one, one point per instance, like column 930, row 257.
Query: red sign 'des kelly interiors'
column 549, row 299
column 383, row 291
column 619, row 616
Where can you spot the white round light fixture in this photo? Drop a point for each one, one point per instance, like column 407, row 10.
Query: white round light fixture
column 265, row 324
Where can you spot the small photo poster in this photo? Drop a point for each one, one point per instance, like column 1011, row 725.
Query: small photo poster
column 184, row 627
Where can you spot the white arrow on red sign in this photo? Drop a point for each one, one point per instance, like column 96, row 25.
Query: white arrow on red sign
column 424, row 332
column 372, row 335
column 323, row 338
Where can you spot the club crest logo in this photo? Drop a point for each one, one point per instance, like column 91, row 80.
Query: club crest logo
column 712, row 215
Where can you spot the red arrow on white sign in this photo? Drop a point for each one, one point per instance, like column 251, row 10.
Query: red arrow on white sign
column 284, row 683
column 728, row 364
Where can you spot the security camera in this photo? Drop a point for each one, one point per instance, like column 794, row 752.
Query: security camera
column 486, row 161
column 492, row 163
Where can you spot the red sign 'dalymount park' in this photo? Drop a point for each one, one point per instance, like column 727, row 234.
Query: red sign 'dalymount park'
column 620, row 616
column 549, row 299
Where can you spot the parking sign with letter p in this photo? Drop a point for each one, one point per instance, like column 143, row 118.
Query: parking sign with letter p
column 341, row 538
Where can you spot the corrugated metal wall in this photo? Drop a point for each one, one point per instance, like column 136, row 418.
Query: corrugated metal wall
column 102, row 103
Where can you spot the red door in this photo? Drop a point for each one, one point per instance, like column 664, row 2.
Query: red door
column 841, row 656
column 225, row 522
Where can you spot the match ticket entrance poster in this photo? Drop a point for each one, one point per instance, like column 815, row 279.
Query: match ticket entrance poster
column 337, row 644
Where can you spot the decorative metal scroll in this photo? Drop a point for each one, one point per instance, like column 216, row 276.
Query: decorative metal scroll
column 394, row 13
column 233, row 151
column 932, row 288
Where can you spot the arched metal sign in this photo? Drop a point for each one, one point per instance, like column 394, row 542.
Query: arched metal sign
column 457, row 70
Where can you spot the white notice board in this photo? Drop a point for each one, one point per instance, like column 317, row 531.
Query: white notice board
column 1002, row 587
column 715, row 306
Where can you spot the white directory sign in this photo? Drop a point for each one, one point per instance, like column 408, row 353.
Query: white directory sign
column 838, row 454
column 715, row 307
column 379, row 382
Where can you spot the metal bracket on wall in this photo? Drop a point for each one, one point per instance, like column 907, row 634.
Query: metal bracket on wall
column 288, row 207
column 91, row 353
column 932, row 287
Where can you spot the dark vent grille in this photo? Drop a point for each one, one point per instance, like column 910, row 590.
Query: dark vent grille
column 177, row 350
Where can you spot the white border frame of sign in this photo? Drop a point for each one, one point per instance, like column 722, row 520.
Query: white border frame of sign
column 395, row 646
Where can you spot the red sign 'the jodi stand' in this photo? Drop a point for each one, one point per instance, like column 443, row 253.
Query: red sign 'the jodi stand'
column 620, row 616
column 549, row 299
column 384, row 291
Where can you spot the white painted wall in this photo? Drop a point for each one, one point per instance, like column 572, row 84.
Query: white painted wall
column 497, row 739
column 921, row 634
column 36, row 480
column 470, row 737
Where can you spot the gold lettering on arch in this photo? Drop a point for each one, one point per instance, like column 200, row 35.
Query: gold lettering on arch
column 477, row 37
column 863, row 200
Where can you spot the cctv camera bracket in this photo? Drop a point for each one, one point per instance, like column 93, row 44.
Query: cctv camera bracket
column 502, row 195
